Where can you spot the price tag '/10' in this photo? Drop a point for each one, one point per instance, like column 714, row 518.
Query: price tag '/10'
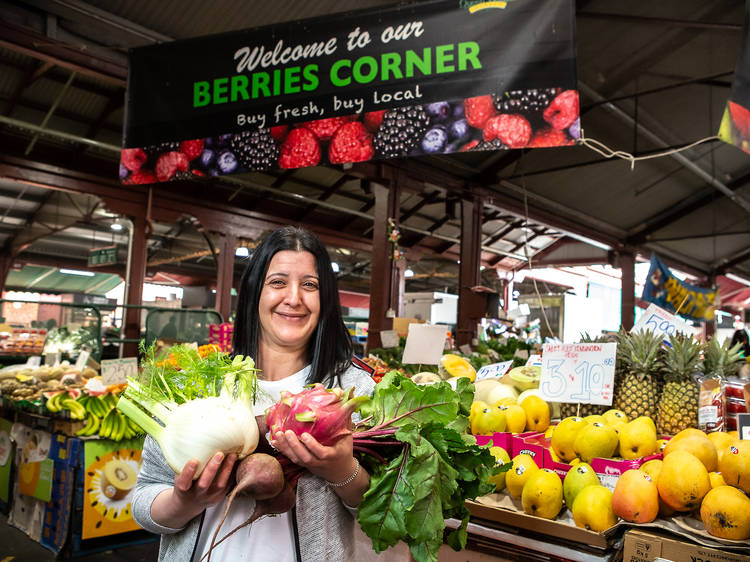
column 660, row 321
column 494, row 371
column 580, row 372
column 117, row 371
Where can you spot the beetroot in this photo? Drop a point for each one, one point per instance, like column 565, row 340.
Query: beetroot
column 259, row 476
column 324, row 414
column 280, row 503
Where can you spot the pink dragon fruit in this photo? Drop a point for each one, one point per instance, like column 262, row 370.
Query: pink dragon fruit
column 324, row 414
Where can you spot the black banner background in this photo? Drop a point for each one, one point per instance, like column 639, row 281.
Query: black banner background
column 528, row 44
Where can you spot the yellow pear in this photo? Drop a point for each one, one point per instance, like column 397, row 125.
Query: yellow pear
column 733, row 434
column 660, row 444
column 595, row 418
column 537, row 413
column 564, row 435
column 595, row 440
column 501, row 458
column 592, row 509
column 523, row 467
column 647, row 420
column 615, row 416
column 637, row 439
column 515, row 418
column 542, row 494
column 577, row 478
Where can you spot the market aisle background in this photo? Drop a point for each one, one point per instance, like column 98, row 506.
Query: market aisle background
column 15, row 546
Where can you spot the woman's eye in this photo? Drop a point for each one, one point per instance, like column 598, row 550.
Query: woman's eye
column 311, row 286
column 276, row 283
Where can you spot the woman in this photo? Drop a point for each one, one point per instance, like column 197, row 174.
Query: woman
column 289, row 320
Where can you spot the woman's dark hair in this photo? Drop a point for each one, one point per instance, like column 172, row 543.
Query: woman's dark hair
column 740, row 336
column 330, row 348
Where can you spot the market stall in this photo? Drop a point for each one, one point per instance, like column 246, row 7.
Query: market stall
column 69, row 460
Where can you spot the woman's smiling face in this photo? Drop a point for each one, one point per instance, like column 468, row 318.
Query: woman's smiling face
column 289, row 306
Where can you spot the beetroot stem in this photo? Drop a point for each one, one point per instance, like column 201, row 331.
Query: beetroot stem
column 370, row 452
column 376, row 442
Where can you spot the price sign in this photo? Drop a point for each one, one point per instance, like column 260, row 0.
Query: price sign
column 578, row 372
column 424, row 344
column 83, row 359
column 52, row 358
column 34, row 361
column 117, row 371
column 389, row 338
column 534, row 360
column 494, row 371
column 660, row 321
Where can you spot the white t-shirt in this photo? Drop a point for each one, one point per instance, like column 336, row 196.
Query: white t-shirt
column 268, row 538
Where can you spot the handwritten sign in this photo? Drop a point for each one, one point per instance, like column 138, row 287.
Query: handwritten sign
column 389, row 338
column 494, row 371
column 83, row 359
column 424, row 344
column 52, row 358
column 578, row 372
column 34, row 361
column 534, row 360
column 660, row 321
column 117, row 371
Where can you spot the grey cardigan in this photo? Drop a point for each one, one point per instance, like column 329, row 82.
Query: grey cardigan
column 325, row 526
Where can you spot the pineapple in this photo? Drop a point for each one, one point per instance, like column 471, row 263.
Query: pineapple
column 637, row 390
column 678, row 406
column 721, row 361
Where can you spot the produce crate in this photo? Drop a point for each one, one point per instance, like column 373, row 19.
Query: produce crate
column 552, row 529
column 641, row 546
column 608, row 470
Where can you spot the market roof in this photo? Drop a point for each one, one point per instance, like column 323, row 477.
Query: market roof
column 652, row 76
column 53, row 280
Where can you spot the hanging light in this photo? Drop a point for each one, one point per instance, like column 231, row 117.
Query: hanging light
column 335, row 267
column 242, row 252
column 77, row 272
column 116, row 226
column 408, row 273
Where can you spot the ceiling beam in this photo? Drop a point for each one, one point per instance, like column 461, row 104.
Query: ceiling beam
column 35, row 45
column 681, row 209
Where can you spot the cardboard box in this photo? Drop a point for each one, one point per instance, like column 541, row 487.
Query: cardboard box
column 645, row 547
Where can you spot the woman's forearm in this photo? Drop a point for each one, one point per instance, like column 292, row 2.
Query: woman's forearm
column 351, row 494
column 168, row 511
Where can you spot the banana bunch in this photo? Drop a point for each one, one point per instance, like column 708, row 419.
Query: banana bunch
column 53, row 404
column 92, row 426
column 117, row 427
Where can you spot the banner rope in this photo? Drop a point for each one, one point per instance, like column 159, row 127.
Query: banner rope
column 601, row 148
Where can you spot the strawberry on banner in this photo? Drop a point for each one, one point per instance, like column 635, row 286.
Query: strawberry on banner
column 433, row 77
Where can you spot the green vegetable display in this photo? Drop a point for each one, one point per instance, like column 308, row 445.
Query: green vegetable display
column 414, row 487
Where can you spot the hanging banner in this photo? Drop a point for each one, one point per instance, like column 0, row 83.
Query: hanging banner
column 665, row 290
column 111, row 471
column 427, row 78
column 735, row 124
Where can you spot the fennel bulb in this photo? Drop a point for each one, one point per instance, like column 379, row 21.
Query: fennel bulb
column 202, row 404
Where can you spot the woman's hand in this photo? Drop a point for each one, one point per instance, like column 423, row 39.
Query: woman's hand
column 333, row 463
column 173, row 508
